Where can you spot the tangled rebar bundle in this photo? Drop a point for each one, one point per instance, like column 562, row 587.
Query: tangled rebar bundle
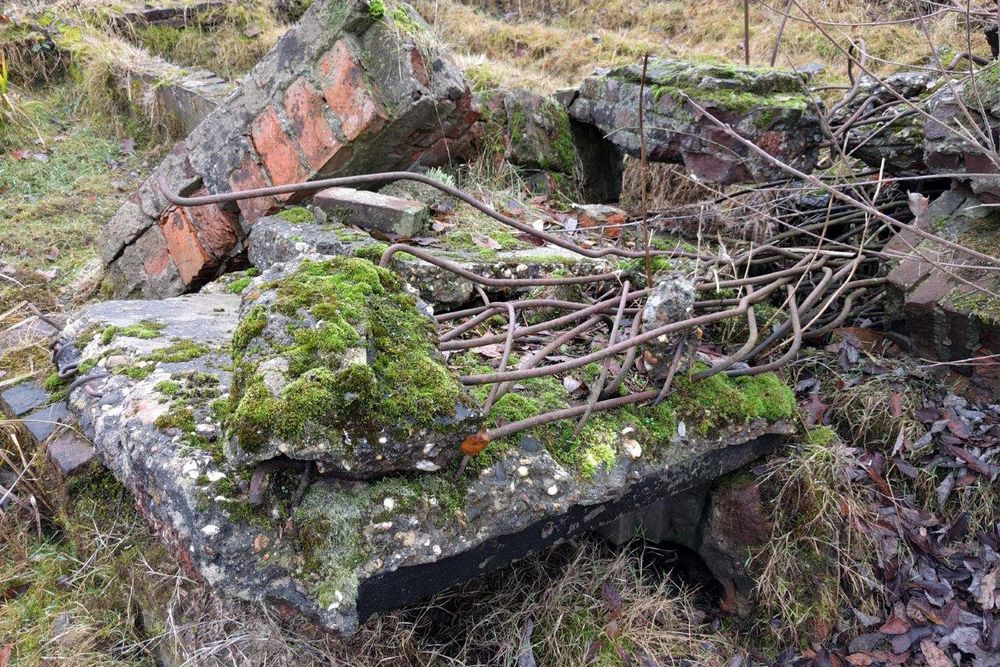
column 814, row 286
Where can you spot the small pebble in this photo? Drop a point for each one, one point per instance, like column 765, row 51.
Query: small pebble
column 552, row 490
column 522, row 471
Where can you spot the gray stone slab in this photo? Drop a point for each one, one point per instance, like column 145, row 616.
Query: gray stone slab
column 22, row 398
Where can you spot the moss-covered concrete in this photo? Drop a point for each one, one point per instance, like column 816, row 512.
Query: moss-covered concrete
column 360, row 357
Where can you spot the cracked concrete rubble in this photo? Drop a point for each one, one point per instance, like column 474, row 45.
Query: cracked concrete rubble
column 358, row 547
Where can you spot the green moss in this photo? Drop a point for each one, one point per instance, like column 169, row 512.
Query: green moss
column 145, row 330
column 821, row 436
column 53, row 382
column 135, row 371
column 402, row 19
column 718, row 400
column 251, row 326
column 184, row 350
column 372, row 253
column 297, row 215
column 179, row 416
column 238, row 285
column 220, row 410
column 168, row 387
column 404, row 382
column 376, row 9
column 984, row 306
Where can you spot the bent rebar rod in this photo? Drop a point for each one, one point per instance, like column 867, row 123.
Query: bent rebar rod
column 384, row 178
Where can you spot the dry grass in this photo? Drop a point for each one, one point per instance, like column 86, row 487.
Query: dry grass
column 66, row 593
column 818, row 562
column 546, row 44
column 552, row 603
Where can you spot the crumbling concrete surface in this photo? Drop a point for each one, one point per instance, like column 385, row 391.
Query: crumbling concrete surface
column 347, row 90
column 767, row 106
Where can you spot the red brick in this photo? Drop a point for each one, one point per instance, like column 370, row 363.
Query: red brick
column 347, row 93
column 190, row 258
column 249, row 176
column 316, row 138
column 155, row 264
column 217, row 230
column 418, row 68
column 277, row 151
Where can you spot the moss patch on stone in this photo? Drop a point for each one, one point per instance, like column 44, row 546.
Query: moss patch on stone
column 334, row 306
column 704, row 405
column 146, row 330
column 297, row 215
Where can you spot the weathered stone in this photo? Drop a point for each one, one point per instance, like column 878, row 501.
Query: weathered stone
column 275, row 239
column 342, row 92
column 23, row 398
column 373, row 211
column 768, row 107
column 335, row 364
column 894, row 139
column 43, row 422
column 672, row 300
column 534, row 130
column 946, row 148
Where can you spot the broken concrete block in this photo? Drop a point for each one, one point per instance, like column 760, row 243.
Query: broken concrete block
column 535, row 130
column 769, row 107
column 946, row 149
column 672, row 300
column 343, row 92
column 947, row 319
column 275, row 239
column 373, row 211
column 351, row 548
column 335, row 364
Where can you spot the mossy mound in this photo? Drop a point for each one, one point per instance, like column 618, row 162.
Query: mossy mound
column 334, row 362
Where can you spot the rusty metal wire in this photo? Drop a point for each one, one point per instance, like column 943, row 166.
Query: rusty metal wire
column 814, row 278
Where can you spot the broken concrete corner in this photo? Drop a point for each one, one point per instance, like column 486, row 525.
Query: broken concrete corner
column 319, row 104
column 767, row 106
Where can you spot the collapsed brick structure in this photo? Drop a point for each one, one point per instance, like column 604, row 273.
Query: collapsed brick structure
column 347, row 90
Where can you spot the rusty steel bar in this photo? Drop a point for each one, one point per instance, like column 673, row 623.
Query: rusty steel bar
column 384, row 178
column 595, row 391
column 542, row 326
column 793, row 350
column 620, row 347
column 566, row 413
column 536, row 357
column 511, row 325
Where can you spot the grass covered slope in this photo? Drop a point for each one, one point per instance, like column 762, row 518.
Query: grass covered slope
column 549, row 44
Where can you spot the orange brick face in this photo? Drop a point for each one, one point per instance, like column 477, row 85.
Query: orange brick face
column 347, row 93
column 304, row 107
column 276, row 149
column 183, row 244
column 248, row 176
